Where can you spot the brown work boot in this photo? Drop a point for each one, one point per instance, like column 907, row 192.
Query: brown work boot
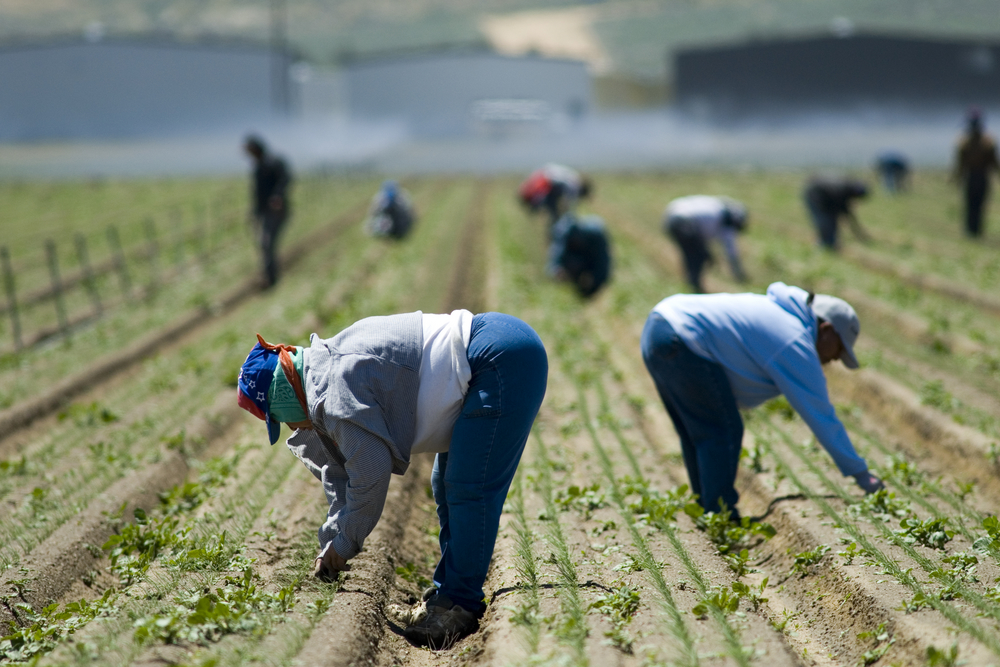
column 443, row 625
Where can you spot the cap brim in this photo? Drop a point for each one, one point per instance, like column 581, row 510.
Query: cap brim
column 846, row 357
column 274, row 430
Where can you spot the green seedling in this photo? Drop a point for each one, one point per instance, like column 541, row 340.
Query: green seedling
column 933, row 394
column 410, row 574
column 14, row 467
column 806, row 559
column 850, row 553
column 737, row 562
column 214, row 555
column 584, row 499
column 755, row 457
column 752, row 594
column 722, row 601
column 964, row 489
column 992, row 539
column 882, row 505
column 931, row 533
column 883, row 641
column 199, row 618
column 619, row 606
column 726, row 534
column 902, row 472
column 44, row 630
column 630, row 565
column 786, row 617
column 993, row 453
column 90, row 414
column 939, row 658
column 781, row 407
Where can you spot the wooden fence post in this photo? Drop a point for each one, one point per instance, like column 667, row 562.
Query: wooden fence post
column 57, row 294
column 88, row 274
column 8, row 281
column 153, row 253
column 116, row 251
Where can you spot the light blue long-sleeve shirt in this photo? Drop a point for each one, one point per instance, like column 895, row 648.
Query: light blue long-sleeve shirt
column 767, row 346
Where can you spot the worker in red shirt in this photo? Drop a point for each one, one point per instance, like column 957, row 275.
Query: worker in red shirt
column 554, row 188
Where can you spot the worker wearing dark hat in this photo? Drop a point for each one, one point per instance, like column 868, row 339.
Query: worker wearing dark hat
column 975, row 162
column 464, row 387
column 829, row 200
column 712, row 354
column 271, row 180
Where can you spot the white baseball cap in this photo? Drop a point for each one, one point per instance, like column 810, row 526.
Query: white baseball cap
column 844, row 320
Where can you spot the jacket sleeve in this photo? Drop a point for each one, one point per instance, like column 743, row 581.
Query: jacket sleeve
column 797, row 372
column 727, row 235
column 358, row 489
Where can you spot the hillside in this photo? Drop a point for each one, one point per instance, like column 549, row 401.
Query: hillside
column 632, row 36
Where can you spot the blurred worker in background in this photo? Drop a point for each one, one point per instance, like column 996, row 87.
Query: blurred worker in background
column 271, row 180
column 580, row 253
column 556, row 189
column 462, row 386
column 894, row 170
column 693, row 221
column 975, row 162
column 712, row 354
column 391, row 213
column 829, row 199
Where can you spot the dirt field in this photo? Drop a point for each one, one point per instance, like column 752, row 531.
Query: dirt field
column 146, row 522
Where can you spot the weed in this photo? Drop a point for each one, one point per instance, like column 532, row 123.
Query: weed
column 722, row 601
column 931, row 533
column 237, row 607
column 781, row 407
column 584, row 499
column 882, row 505
column 755, row 456
column 14, row 467
column 629, row 565
column 725, row 533
column 940, row 658
column 737, row 562
column 88, row 414
column 752, row 594
column 410, row 574
column 806, row 559
column 786, row 617
column 933, row 394
column 992, row 539
column 619, row 605
column 850, row 553
column 883, row 641
column 45, row 629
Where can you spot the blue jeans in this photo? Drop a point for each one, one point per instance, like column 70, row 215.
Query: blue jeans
column 700, row 402
column 471, row 480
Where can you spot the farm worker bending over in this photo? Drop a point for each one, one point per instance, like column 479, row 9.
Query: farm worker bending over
column 271, row 179
column 580, row 253
column 712, row 354
column 391, row 213
column 466, row 387
column 694, row 221
column 828, row 200
column 554, row 188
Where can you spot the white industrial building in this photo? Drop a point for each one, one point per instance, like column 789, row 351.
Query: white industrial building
column 460, row 92
column 115, row 88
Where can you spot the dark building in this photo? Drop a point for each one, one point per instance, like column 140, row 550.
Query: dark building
column 826, row 72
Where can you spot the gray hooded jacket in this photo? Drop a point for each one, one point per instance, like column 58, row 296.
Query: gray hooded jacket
column 361, row 387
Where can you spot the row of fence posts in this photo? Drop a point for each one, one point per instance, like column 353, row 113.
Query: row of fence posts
column 88, row 276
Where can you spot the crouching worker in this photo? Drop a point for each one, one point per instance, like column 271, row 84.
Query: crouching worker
column 391, row 212
column 580, row 253
column 361, row 403
column 710, row 355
